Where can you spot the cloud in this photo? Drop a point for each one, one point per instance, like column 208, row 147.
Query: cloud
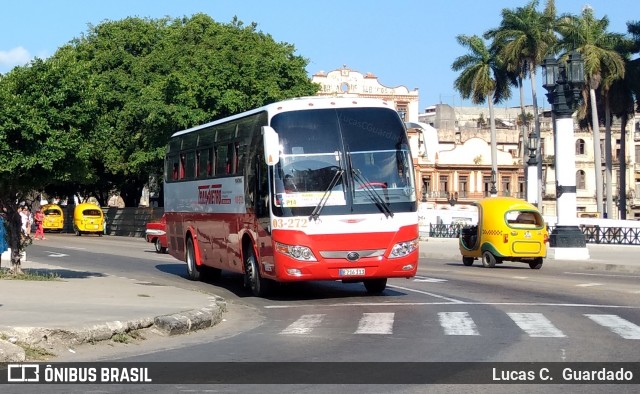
column 14, row 57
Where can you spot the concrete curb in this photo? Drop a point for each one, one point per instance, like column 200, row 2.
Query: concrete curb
column 174, row 324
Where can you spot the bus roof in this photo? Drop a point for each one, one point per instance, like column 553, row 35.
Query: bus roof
column 299, row 103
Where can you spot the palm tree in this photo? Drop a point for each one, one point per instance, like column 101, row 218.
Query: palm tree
column 602, row 65
column 522, row 41
column 482, row 78
column 621, row 99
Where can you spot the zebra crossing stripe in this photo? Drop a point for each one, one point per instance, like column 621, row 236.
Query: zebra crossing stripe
column 376, row 323
column 536, row 325
column 303, row 325
column 457, row 323
column 618, row 325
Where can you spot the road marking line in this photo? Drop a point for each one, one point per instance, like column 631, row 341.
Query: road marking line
column 427, row 293
column 376, row 323
column 618, row 325
column 303, row 325
column 454, row 302
column 605, row 275
column 589, row 284
column 520, row 277
column 457, row 323
column 430, row 280
column 536, row 325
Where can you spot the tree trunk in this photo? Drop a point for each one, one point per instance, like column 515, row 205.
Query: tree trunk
column 536, row 119
column 597, row 154
column 524, row 140
column 494, row 143
column 622, row 159
column 607, row 157
column 15, row 239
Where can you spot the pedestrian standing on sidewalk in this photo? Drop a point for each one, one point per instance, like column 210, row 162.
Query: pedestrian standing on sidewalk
column 39, row 218
column 24, row 217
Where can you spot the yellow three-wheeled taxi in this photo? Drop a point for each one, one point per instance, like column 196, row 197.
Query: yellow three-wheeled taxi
column 88, row 219
column 508, row 229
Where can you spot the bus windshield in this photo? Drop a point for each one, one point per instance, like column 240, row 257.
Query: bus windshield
column 353, row 158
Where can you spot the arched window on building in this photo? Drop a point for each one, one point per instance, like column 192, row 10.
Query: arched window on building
column 580, row 146
column 580, row 180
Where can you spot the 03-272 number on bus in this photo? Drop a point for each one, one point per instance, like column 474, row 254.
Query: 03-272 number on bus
column 290, row 223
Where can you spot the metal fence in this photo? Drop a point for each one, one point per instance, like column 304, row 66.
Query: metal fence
column 611, row 235
column 592, row 234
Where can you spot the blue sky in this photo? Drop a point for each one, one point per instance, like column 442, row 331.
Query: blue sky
column 403, row 42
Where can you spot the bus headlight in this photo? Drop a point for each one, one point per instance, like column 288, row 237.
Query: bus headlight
column 402, row 249
column 297, row 252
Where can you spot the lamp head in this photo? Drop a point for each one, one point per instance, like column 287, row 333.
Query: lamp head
column 575, row 69
column 549, row 72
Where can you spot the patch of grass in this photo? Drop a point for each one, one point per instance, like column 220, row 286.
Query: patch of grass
column 35, row 352
column 126, row 337
column 32, row 275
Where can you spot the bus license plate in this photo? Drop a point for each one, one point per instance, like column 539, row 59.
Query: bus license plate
column 351, row 271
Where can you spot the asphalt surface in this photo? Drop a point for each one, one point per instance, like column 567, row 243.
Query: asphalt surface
column 84, row 308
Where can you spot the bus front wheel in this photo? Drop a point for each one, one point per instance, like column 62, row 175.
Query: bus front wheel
column 375, row 286
column 192, row 268
column 252, row 279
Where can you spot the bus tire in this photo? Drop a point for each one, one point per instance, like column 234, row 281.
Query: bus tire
column 258, row 285
column 192, row 269
column 375, row 286
column 488, row 259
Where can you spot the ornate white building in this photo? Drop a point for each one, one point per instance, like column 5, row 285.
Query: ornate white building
column 346, row 82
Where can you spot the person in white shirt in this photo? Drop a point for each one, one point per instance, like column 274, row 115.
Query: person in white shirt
column 26, row 224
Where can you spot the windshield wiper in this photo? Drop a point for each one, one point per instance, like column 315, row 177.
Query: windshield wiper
column 325, row 197
column 375, row 196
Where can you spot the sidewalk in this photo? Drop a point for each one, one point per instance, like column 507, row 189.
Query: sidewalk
column 85, row 307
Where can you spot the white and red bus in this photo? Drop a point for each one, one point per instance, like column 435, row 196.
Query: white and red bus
column 300, row 190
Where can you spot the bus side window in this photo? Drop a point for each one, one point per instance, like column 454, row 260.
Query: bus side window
column 183, row 164
column 231, row 156
column 175, row 172
column 221, row 160
column 210, row 162
column 190, row 165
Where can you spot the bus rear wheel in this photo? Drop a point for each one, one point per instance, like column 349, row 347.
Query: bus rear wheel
column 259, row 286
column 375, row 286
column 192, row 269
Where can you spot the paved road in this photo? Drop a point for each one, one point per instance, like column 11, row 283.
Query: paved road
column 563, row 312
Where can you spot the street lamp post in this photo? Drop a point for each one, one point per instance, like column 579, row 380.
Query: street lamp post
column 564, row 82
column 493, row 191
column 532, row 169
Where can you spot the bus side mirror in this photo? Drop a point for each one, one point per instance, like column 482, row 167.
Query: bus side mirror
column 271, row 145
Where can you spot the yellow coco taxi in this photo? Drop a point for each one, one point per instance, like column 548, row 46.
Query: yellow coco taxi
column 88, row 219
column 53, row 218
column 508, row 229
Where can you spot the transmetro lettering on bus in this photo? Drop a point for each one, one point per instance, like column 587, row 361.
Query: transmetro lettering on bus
column 304, row 189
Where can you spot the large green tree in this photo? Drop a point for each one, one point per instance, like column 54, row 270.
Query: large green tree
column 482, row 79
column 590, row 37
column 621, row 96
column 154, row 77
column 522, row 40
column 44, row 107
